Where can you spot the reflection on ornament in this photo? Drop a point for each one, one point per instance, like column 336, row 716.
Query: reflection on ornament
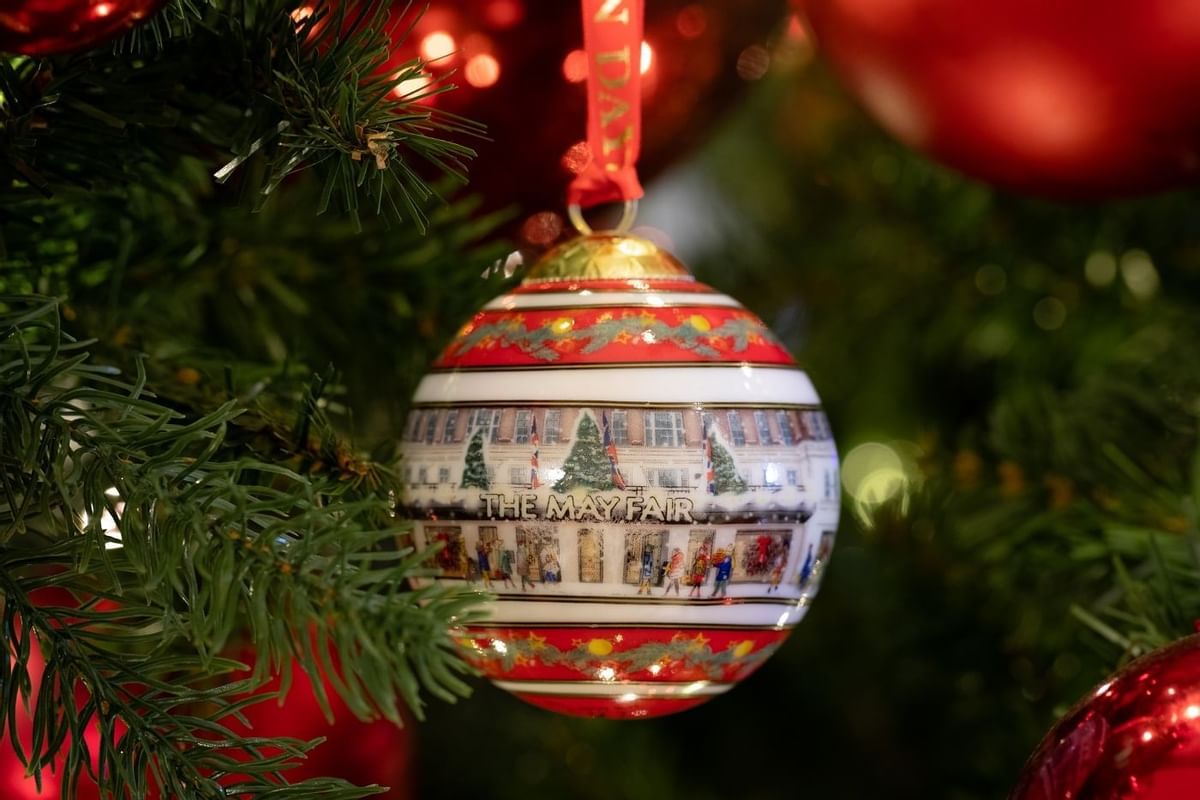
column 633, row 464
column 51, row 27
column 1137, row 737
column 1020, row 94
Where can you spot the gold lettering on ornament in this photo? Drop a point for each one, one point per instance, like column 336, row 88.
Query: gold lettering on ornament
column 594, row 507
column 613, row 11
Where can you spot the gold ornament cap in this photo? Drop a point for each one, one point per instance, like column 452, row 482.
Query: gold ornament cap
column 606, row 256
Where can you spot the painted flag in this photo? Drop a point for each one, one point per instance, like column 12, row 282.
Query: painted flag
column 710, row 475
column 610, row 448
column 533, row 459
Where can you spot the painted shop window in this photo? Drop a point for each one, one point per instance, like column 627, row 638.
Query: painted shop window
column 423, row 475
column 667, row 478
column 758, row 554
column 452, row 558
column 737, row 431
column 699, row 555
column 451, row 427
column 430, row 427
column 486, row 420
column 518, row 476
column 644, row 549
column 489, row 542
column 524, row 423
column 443, row 474
column 763, row 427
column 787, row 434
column 664, row 428
column 553, row 432
column 620, row 427
column 537, row 549
column 591, row 556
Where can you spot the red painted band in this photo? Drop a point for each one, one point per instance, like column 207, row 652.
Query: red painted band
column 598, row 335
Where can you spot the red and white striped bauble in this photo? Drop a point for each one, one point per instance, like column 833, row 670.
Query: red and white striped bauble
column 636, row 468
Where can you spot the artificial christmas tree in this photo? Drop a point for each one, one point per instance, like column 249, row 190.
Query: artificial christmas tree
column 1014, row 382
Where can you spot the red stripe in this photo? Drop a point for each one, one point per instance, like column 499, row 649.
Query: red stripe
column 536, row 337
column 625, row 653
column 611, row 708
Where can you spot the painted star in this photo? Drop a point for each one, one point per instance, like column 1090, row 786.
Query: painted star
column 537, row 642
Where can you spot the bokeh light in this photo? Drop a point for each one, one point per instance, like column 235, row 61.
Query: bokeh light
column 437, row 46
column 482, row 70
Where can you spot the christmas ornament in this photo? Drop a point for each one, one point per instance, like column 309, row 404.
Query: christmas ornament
column 627, row 458
column 634, row 465
column 1070, row 98
column 50, row 27
column 1136, row 737
column 689, row 66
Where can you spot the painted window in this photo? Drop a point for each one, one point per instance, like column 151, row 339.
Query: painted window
column 737, row 431
column 451, row 426
column 523, row 426
column 591, row 556
column 486, row 420
column 431, row 420
column 619, row 427
column 553, row 432
column 787, row 434
column 664, row 428
column 763, row 427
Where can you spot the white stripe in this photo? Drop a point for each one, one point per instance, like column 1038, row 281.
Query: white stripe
column 510, row 302
column 622, row 691
column 779, row 615
column 745, row 383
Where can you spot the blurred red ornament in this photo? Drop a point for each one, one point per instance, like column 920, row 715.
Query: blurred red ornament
column 519, row 68
column 50, row 27
column 14, row 783
column 1074, row 98
column 1137, row 737
column 360, row 752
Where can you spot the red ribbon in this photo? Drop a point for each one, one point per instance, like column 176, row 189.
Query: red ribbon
column 612, row 37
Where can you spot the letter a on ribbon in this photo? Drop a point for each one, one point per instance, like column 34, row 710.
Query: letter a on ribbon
column 612, row 36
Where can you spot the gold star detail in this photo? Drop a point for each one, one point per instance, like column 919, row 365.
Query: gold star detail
column 537, row 642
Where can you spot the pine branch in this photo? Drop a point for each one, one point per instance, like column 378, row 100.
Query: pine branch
column 237, row 83
column 204, row 537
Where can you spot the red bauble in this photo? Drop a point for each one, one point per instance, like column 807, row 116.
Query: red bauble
column 1137, row 737
column 1071, row 98
column 520, row 70
column 50, row 27
column 359, row 752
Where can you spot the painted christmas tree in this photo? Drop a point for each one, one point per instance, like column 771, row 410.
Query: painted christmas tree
column 725, row 475
column 587, row 465
column 475, row 472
